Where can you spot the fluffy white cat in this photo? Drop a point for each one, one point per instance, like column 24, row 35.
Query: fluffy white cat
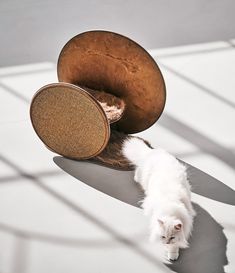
column 167, row 194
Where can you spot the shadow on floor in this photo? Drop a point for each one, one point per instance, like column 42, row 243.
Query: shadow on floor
column 207, row 252
column 120, row 184
column 115, row 183
column 208, row 244
column 210, row 187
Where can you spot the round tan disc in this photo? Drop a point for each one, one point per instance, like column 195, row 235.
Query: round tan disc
column 69, row 121
column 110, row 62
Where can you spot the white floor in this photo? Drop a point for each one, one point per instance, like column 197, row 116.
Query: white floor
column 51, row 222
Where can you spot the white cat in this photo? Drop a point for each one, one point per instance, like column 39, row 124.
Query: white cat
column 168, row 196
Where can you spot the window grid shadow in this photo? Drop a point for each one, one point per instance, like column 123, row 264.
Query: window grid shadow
column 198, row 85
column 91, row 218
column 190, row 53
column 14, row 178
column 29, row 72
column 14, row 93
column 201, row 141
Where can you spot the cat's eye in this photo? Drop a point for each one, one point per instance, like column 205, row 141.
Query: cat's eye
column 163, row 237
column 172, row 238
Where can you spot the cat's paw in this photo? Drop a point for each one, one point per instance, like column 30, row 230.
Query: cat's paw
column 172, row 256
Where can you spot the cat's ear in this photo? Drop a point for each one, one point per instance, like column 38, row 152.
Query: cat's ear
column 178, row 225
column 161, row 223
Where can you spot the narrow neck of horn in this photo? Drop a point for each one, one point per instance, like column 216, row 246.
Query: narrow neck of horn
column 113, row 106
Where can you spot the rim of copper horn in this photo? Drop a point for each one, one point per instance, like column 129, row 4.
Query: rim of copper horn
column 110, row 62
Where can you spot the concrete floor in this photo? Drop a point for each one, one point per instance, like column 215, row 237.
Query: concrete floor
column 52, row 218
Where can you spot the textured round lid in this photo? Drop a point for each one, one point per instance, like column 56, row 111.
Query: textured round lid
column 69, row 121
column 110, row 62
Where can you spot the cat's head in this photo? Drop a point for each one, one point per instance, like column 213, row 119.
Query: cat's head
column 170, row 232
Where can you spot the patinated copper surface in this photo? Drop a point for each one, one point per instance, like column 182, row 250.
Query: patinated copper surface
column 110, row 62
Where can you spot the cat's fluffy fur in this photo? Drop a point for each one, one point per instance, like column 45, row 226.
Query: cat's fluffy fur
column 168, row 196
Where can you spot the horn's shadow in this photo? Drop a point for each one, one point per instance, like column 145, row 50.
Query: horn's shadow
column 115, row 183
column 207, row 251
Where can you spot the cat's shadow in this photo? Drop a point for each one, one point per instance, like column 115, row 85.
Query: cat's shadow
column 207, row 252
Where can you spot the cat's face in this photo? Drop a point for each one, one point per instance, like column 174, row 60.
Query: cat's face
column 170, row 231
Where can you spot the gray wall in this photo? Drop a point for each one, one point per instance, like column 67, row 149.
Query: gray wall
column 34, row 31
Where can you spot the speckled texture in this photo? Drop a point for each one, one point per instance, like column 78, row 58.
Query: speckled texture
column 69, row 121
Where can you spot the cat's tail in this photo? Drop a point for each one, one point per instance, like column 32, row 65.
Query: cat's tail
column 135, row 149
